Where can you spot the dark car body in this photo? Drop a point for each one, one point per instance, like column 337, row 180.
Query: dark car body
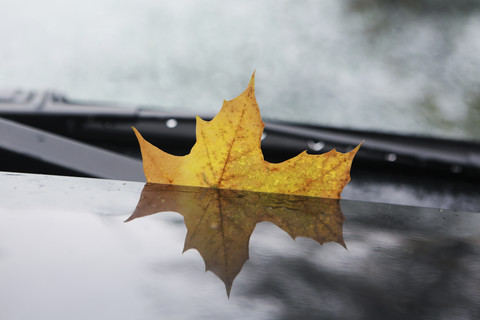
column 66, row 252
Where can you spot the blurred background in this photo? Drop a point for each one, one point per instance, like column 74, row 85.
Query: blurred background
column 405, row 66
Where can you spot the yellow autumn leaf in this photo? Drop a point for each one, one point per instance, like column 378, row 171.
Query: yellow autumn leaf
column 228, row 155
column 220, row 222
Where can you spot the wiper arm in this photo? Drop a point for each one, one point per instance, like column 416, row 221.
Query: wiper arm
column 68, row 153
column 108, row 125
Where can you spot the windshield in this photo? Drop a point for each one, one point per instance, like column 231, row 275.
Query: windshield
column 408, row 67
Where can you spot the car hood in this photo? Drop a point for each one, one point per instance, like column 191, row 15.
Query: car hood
column 66, row 252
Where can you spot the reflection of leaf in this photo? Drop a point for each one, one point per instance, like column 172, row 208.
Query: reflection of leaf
column 220, row 222
column 227, row 155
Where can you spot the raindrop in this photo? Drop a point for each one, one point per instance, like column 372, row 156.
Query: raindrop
column 391, row 157
column 171, row 123
column 108, row 125
column 456, row 168
column 315, row 145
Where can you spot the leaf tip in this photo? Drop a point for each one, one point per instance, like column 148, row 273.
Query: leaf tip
column 355, row 150
column 137, row 134
column 251, row 84
column 229, row 289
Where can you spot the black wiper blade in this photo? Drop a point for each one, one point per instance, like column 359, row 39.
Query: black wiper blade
column 87, row 120
column 457, row 155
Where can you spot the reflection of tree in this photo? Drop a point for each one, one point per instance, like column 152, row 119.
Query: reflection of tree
column 220, row 222
column 425, row 47
column 415, row 277
column 423, row 7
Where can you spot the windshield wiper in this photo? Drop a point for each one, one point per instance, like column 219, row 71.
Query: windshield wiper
column 403, row 169
column 442, row 154
column 104, row 124
column 68, row 153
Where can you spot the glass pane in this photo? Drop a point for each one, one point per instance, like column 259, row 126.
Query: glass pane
column 65, row 252
column 402, row 66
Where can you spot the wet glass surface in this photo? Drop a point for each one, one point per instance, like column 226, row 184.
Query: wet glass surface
column 66, row 252
column 404, row 66
column 220, row 222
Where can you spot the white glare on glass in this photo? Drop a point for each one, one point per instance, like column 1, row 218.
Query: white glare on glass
column 456, row 168
column 315, row 145
column 390, row 157
column 171, row 123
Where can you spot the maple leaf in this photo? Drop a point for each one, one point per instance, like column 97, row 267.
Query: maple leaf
column 228, row 155
column 220, row 222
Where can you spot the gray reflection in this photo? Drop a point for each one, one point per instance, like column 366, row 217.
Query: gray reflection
column 402, row 263
column 220, row 222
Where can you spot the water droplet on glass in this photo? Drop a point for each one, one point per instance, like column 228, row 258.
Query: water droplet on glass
column 315, row 145
column 108, row 125
column 171, row 123
column 456, row 168
column 264, row 135
column 391, row 157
